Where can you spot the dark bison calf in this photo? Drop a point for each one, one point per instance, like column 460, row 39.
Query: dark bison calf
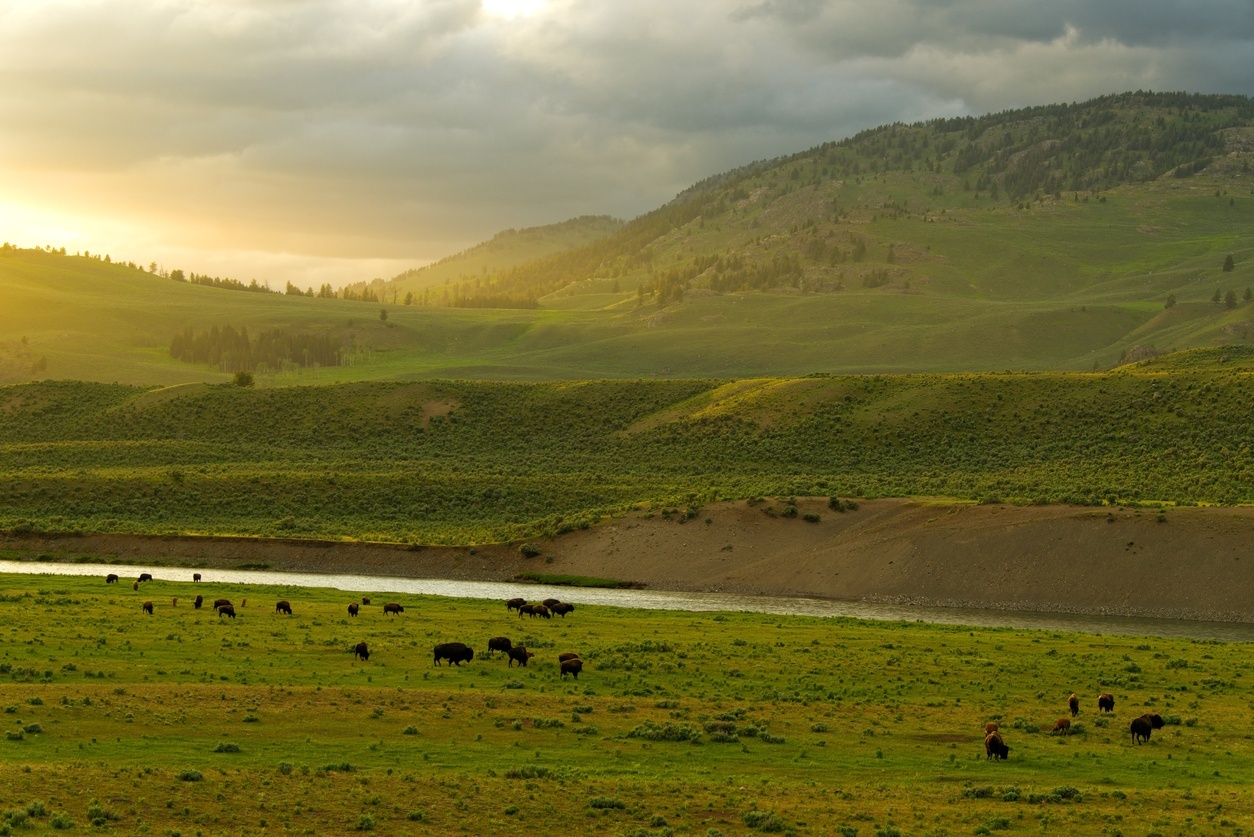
column 148, row 608
column 994, row 747
column 499, row 643
column 1073, row 703
column 1106, row 702
column 393, row 607
column 991, row 727
column 221, row 602
column 198, row 601
column 111, row 578
column 562, row 608
column 572, row 667
column 226, row 610
column 1063, row 725
column 514, row 604
column 145, row 577
column 361, row 652
column 283, row 607
column 519, row 654
column 352, row 608
column 1144, row 725
column 455, row 652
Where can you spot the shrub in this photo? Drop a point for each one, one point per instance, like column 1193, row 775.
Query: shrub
column 528, row 550
column 33, row 729
column 190, row 776
column 605, row 802
column 364, row 823
column 811, row 517
column 766, row 821
column 651, row 731
column 226, row 747
column 410, row 730
column 61, row 821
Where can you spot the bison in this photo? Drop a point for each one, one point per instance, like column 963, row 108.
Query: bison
column 393, row 607
column 1073, row 703
column 514, row 604
column 499, row 643
column 134, row 585
column 455, row 652
column 195, row 576
column 567, row 655
column 198, row 601
column 1063, row 725
column 1144, row 725
column 991, row 727
column 1106, row 702
column 562, row 608
column 550, row 602
column 994, row 747
column 111, row 578
column 361, row 652
column 145, row 577
column 283, row 607
column 352, row 608
column 148, row 608
column 365, row 600
column 221, row 602
column 519, row 654
column 534, row 610
column 174, row 602
column 572, row 667
column 226, row 610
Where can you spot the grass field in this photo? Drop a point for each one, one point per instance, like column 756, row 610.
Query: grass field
column 681, row 723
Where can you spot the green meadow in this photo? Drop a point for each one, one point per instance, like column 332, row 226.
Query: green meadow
column 681, row 723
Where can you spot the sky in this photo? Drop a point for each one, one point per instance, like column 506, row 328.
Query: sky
column 333, row 141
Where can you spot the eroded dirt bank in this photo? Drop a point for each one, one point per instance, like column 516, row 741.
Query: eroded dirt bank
column 1196, row 564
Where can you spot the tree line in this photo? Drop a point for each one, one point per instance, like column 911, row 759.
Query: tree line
column 231, row 350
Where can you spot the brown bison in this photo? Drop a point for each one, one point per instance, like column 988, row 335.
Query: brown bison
column 534, row 610
column 393, row 607
column 994, row 747
column 519, row 654
column 145, row 577
column 352, row 608
column 1106, row 702
column 499, row 643
column 1144, row 725
column 361, row 652
column 283, row 607
column 111, row 578
column 1073, row 703
column 195, row 576
column 1063, row 725
column 243, row 602
column 226, row 610
column 198, row 601
column 563, row 608
column 221, row 602
column 572, row 667
column 567, row 655
column 991, row 727
column 514, row 604
column 148, row 608
column 174, row 602
column 550, row 602
column 455, row 652
column 134, row 585
column 365, row 600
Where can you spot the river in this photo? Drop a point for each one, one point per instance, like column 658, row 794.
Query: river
column 676, row 600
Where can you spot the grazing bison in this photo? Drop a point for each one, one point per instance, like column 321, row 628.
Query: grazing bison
column 567, row 655
column 1106, row 702
column 226, row 610
column 550, row 602
column 991, row 727
column 563, row 608
column 283, row 607
column 174, row 602
column 148, row 608
column 365, row 600
column 1144, row 725
column 1073, row 703
column 221, row 602
column 572, row 667
column 145, row 577
column 455, row 652
column 499, row 643
column 198, row 601
column 534, row 610
column 393, row 607
column 514, row 604
column 243, row 602
column 111, row 578
column 361, row 652
column 1063, row 725
column 994, row 747
column 519, row 654
column 353, row 608
column 134, row 585
column 195, row 576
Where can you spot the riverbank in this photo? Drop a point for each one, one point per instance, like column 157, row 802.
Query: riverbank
column 1189, row 563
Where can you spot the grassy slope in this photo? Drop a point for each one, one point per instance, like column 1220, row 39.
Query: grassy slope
column 467, row 462
column 872, row 726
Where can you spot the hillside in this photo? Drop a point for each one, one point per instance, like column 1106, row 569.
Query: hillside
column 1064, row 238
column 476, row 462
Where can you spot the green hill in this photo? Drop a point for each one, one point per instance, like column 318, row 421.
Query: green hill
column 1067, row 237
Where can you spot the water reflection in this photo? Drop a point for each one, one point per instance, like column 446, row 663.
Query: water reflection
column 674, row 600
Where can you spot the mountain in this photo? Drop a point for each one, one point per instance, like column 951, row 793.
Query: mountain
column 1063, row 237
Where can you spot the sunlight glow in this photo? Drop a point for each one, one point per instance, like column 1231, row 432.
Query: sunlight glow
column 510, row 9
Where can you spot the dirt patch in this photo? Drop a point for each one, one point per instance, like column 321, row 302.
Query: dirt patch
column 1194, row 565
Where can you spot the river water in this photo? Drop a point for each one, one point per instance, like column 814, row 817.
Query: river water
column 675, row 600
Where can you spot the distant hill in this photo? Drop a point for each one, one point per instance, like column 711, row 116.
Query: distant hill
column 1066, row 237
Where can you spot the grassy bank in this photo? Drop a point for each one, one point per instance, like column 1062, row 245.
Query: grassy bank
column 680, row 723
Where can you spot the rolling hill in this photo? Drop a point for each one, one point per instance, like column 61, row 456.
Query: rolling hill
column 1065, row 237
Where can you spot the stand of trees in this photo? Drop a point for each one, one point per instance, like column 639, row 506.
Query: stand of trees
column 229, row 350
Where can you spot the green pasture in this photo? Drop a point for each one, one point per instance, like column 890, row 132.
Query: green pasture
column 681, row 723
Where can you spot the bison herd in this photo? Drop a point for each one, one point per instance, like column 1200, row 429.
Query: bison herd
column 995, row 747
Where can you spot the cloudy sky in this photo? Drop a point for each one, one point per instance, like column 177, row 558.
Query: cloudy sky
column 337, row 140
